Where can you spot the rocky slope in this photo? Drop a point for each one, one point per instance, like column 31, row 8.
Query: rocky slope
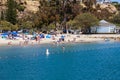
column 31, row 5
column 109, row 7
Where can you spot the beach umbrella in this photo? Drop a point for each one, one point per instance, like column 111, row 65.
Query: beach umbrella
column 48, row 36
column 14, row 33
column 4, row 35
column 62, row 36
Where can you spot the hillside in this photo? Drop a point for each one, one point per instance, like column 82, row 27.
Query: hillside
column 44, row 14
column 32, row 6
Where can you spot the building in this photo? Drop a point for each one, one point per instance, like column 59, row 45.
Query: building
column 104, row 27
column 103, row 1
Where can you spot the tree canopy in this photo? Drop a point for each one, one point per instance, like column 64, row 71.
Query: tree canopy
column 85, row 21
column 116, row 19
column 4, row 25
column 66, row 13
column 11, row 13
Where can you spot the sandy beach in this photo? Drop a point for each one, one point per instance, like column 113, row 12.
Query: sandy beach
column 69, row 38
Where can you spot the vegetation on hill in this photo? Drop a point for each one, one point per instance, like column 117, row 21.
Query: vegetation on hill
column 59, row 14
column 116, row 19
column 117, row 5
column 11, row 13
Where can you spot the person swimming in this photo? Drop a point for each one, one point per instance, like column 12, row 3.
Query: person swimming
column 63, row 48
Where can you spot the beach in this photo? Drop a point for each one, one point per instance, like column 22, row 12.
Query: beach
column 69, row 38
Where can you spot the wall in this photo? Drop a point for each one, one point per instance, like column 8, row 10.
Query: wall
column 103, row 29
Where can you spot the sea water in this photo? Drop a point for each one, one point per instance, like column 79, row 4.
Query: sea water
column 79, row 61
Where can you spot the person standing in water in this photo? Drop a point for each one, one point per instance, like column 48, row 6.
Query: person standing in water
column 63, row 48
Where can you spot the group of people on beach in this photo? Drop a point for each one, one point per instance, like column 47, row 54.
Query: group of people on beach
column 34, row 39
column 11, row 38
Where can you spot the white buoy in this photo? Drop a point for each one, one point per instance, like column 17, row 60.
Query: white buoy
column 47, row 52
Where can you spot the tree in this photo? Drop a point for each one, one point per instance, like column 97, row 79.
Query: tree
column 116, row 19
column 86, row 20
column 20, row 8
column 11, row 12
column 117, row 5
column 27, row 25
column 7, row 26
column 14, row 27
column 72, row 24
column 51, row 26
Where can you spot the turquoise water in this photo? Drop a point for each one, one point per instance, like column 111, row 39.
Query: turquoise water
column 81, row 61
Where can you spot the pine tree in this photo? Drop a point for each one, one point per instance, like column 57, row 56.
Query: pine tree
column 2, row 16
column 11, row 12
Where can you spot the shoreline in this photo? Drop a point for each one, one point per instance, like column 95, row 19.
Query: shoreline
column 69, row 38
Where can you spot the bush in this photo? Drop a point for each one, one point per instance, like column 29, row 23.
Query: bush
column 27, row 25
column 7, row 26
column 51, row 26
column 21, row 8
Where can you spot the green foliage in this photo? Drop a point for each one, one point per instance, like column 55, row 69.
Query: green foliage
column 27, row 25
column 116, row 19
column 117, row 5
column 37, row 20
column 2, row 17
column 14, row 27
column 4, row 25
column 51, row 26
column 72, row 24
column 68, row 13
column 85, row 21
column 11, row 12
column 20, row 7
column 55, row 11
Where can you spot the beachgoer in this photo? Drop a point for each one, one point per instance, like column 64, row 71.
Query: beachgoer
column 38, row 37
column 63, row 47
column 74, row 39
column 26, row 41
column 68, row 40
column 20, row 43
column 53, row 38
column 10, row 43
column 32, row 43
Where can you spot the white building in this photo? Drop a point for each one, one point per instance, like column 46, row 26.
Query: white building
column 104, row 27
column 103, row 1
